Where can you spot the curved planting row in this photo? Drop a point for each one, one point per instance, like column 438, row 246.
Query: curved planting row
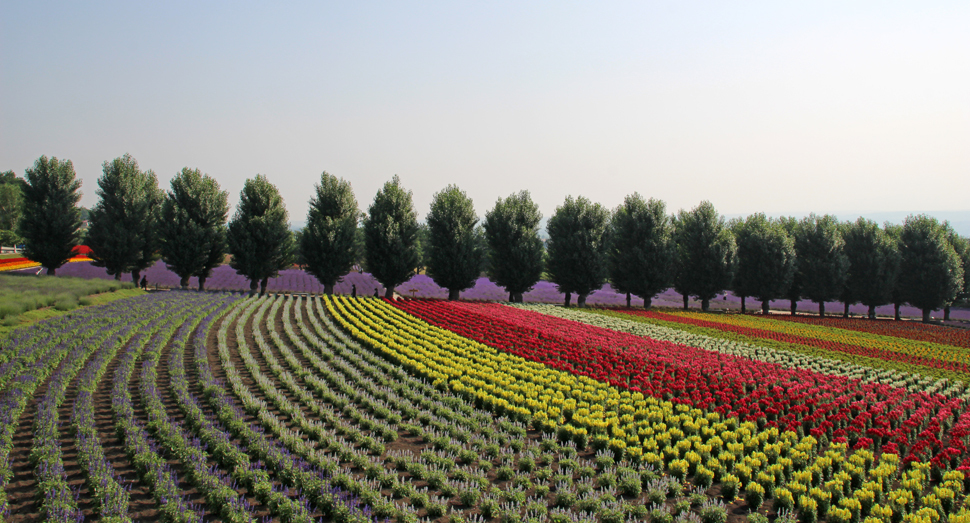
column 897, row 329
column 862, row 414
column 797, row 473
column 905, row 351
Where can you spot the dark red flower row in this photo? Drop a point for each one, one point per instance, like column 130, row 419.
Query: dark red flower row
column 766, row 393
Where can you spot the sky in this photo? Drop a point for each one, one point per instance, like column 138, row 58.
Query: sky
column 775, row 107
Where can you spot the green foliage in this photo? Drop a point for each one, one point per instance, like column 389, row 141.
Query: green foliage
column 822, row 264
column 390, row 235
column 961, row 246
column 766, row 259
column 329, row 241
column 873, row 264
column 577, row 247
column 454, row 247
column 931, row 272
column 515, row 252
column 705, row 253
column 259, row 237
column 50, row 221
column 124, row 223
column 11, row 202
column 192, row 227
column 19, row 293
column 641, row 253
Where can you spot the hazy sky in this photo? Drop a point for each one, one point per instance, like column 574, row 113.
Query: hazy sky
column 756, row 106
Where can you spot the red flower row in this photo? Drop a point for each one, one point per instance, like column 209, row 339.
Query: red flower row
column 792, row 399
column 846, row 348
column 900, row 329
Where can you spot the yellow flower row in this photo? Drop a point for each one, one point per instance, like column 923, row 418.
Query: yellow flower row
column 681, row 440
column 919, row 348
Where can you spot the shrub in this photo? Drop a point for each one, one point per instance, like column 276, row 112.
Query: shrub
column 754, row 495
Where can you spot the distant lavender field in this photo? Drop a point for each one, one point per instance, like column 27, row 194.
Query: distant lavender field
column 421, row 286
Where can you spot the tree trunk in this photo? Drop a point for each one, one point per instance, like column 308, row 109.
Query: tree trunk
column 252, row 287
column 821, row 309
column 184, row 282
column 764, row 307
column 845, row 313
column 517, row 297
column 794, row 307
column 743, row 309
column 454, row 294
column 685, row 302
column 569, row 296
column 896, row 315
column 926, row 315
column 581, row 300
column 262, row 286
column 872, row 312
column 946, row 312
column 328, row 289
column 201, row 283
column 135, row 276
column 389, row 293
column 628, row 300
column 647, row 302
column 50, row 271
column 511, row 297
column 118, row 276
column 705, row 304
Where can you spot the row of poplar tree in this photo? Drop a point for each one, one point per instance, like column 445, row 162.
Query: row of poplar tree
column 638, row 248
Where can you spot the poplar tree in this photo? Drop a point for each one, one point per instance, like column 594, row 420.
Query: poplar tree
column 11, row 203
column 766, row 260
column 192, row 226
column 931, row 272
column 329, row 241
column 259, row 237
column 390, row 236
column 705, row 254
column 873, row 264
column 51, row 220
column 515, row 251
column 642, row 250
column 123, row 230
column 577, row 248
column 822, row 265
column 455, row 255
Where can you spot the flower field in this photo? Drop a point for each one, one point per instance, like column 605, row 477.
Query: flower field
column 186, row 406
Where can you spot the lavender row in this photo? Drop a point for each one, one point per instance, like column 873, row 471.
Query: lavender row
column 110, row 497
column 422, row 286
column 289, row 455
column 139, row 446
column 217, row 487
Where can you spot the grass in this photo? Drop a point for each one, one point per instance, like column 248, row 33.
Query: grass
column 11, row 255
column 20, row 294
column 32, row 316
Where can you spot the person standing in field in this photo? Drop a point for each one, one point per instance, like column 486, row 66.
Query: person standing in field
column 353, row 291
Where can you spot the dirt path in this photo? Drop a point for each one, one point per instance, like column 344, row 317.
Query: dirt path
column 141, row 503
column 22, row 489
column 189, row 492
column 176, row 415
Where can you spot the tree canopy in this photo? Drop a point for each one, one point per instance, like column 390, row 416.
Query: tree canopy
column 259, row 236
column 515, row 251
column 50, row 221
column 390, row 236
column 192, row 228
column 931, row 272
column 641, row 252
column 329, row 240
column 766, row 259
column 873, row 262
column 705, row 254
column 123, row 230
column 577, row 247
column 455, row 256
column 822, row 265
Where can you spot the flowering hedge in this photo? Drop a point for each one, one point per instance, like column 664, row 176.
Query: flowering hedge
column 898, row 329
